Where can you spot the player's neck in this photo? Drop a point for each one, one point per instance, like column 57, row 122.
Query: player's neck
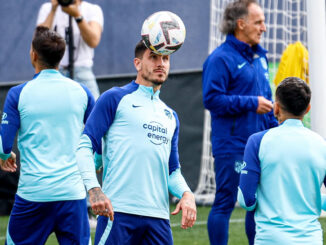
column 285, row 116
column 39, row 68
column 146, row 83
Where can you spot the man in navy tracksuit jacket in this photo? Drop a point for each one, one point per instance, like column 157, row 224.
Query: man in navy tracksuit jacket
column 236, row 91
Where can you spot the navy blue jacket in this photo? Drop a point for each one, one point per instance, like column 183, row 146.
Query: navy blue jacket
column 234, row 75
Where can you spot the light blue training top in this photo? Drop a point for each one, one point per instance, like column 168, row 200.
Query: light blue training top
column 49, row 114
column 137, row 135
column 284, row 170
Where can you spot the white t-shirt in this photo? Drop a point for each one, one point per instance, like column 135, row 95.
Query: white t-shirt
column 83, row 54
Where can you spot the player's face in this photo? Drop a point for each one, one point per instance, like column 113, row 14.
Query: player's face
column 154, row 68
column 254, row 25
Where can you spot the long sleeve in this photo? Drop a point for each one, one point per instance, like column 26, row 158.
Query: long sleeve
column 174, row 155
column 10, row 121
column 177, row 184
column 85, row 162
column 250, row 174
column 216, row 77
column 90, row 103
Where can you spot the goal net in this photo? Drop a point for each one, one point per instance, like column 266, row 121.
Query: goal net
column 286, row 23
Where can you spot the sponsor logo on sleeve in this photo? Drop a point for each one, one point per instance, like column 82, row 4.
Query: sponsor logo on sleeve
column 4, row 117
column 168, row 113
column 239, row 165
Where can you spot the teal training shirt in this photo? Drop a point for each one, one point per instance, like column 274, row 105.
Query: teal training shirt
column 284, row 170
column 137, row 135
column 49, row 113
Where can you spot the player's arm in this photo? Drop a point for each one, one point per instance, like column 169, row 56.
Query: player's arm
column 96, row 126
column 323, row 202
column 323, row 198
column 216, row 77
column 90, row 103
column 90, row 31
column 98, row 161
column 178, row 186
column 90, row 106
column 9, row 126
column 100, row 204
column 250, row 174
column 9, row 164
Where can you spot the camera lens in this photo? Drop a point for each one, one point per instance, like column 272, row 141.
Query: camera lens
column 65, row 3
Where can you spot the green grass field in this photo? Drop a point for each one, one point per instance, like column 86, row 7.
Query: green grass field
column 194, row 236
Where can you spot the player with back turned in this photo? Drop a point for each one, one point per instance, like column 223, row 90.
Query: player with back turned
column 284, row 170
column 49, row 114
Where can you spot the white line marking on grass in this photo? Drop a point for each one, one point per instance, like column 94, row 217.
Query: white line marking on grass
column 2, row 238
column 205, row 222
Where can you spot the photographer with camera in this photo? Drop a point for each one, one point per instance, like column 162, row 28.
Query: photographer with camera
column 81, row 24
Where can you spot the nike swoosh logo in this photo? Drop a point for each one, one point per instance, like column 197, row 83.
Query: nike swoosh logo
column 242, row 65
column 136, row 106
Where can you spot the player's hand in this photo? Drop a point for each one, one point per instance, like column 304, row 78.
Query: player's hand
column 72, row 9
column 264, row 105
column 189, row 213
column 9, row 165
column 101, row 205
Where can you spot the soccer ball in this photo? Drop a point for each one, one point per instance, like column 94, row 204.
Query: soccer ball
column 163, row 32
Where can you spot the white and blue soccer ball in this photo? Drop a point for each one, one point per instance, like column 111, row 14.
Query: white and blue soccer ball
column 163, row 32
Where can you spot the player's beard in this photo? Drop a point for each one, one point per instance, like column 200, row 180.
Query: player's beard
column 157, row 82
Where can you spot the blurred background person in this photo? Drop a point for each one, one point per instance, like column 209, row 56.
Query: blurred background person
column 236, row 91
column 81, row 24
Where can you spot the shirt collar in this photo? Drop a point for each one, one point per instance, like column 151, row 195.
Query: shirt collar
column 148, row 91
column 293, row 122
column 46, row 71
column 245, row 48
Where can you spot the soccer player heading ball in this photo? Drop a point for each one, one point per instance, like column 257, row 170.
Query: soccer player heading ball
column 135, row 138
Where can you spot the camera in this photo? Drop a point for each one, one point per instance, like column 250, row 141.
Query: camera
column 65, row 3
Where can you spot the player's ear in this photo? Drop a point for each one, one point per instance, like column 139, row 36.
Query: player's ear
column 33, row 55
column 276, row 109
column 308, row 109
column 137, row 64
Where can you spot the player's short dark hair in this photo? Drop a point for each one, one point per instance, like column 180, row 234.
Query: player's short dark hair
column 49, row 46
column 234, row 11
column 140, row 49
column 294, row 95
